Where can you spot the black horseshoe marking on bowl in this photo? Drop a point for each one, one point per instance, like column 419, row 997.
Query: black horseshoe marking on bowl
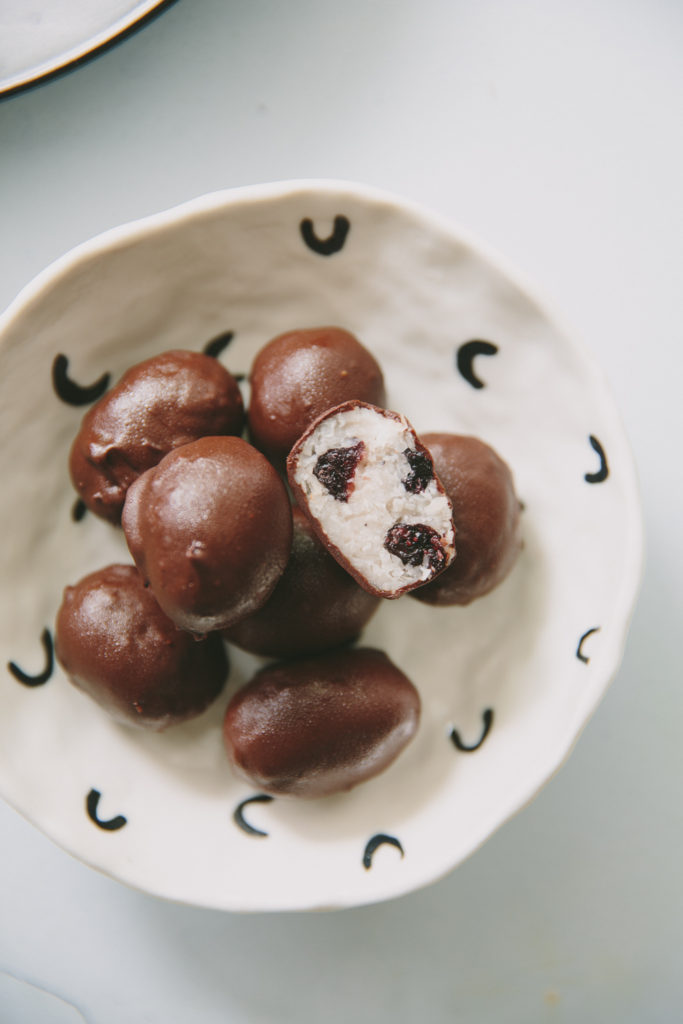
column 41, row 677
column 238, row 816
column 113, row 824
column 380, row 839
column 325, row 246
column 466, row 355
column 603, row 472
column 71, row 392
column 218, row 344
column 579, row 650
column 487, row 718
column 78, row 510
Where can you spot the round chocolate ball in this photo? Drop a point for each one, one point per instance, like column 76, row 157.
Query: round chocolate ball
column 315, row 606
column 298, row 376
column 158, row 405
column 321, row 725
column 210, row 529
column 116, row 645
column 486, row 513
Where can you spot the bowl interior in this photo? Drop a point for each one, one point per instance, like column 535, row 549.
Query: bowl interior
column 522, row 668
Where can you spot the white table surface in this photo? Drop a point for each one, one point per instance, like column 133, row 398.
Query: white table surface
column 552, row 130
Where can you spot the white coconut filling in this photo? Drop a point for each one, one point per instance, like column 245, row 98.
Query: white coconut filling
column 378, row 498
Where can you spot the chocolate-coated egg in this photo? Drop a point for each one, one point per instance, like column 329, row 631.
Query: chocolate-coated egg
column 316, row 604
column 158, row 405
column 116, row 645
column 486, row 512
column 321, row 725
column 210, row 529
column 298, row 376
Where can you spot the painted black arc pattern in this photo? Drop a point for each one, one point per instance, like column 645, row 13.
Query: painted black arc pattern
column 238, row 815
column 380, row 839
column 603, row 472
column 218, row 344
column 41, row 677
column 71, row 392
column 112, row 824
column 326, row 246
column 465, row 356
column 487, row 719
column 579, row 650
column 78, row 510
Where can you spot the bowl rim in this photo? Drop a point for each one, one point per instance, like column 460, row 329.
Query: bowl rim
column 606, row 664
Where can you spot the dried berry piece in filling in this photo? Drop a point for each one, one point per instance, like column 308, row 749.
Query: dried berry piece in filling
column 335, row 469
column 415, row 542
column 421, row 471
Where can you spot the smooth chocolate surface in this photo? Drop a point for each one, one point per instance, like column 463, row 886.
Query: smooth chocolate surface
column 316, row 605
column 116, row 645
column 486, row 512
column 298, row 376
column 210, row 529
column 158, row 405
column 321, row 725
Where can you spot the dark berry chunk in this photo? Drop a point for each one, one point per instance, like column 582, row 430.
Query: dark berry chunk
column 335, row 468
column 421, row 471
column 413, row 542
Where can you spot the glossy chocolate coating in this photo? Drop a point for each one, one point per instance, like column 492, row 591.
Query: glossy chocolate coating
column 486, row 513
column 116, row 645
column 298, row 376
column 321, row 725
column 210, row 529
column 158, row 405
column 315, row 606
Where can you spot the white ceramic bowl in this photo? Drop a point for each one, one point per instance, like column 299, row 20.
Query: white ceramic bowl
column 523, row 667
